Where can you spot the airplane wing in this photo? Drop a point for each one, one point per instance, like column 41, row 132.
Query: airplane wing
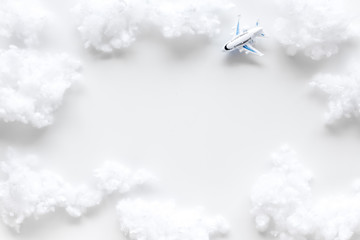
column 250, row 49
column 237, row 28
column 237, row 31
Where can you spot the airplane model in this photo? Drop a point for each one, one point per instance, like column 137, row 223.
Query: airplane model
column 244, row 39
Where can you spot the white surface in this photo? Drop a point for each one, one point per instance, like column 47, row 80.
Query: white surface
column 203, row 121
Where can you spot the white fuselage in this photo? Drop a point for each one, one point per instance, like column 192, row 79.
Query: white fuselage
column 242, row 38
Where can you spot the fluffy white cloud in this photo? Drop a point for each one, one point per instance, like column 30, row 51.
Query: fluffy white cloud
column 176, row 18
column 32, row 84
column 316, row 27
column 22, row 20
column 29, row 192
column 155, row 220
column 343, row 93
column 284, row 207
column 107, row 25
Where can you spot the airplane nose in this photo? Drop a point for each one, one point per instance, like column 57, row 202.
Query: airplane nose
column 226, row 48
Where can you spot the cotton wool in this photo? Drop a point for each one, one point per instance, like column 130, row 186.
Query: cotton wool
column 23, row 21
column 187, row 17
column 315, row 27
column 32, row 84
column 27, row 191
column 108, row 25
column 343, row 93
column 284, row 207
column 154, row 220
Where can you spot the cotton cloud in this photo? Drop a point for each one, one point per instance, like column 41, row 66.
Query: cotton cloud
column 22, row 20
column 343, row 93
column 26, row 191
column 32, row 84
column 315, row 27
column 284, row 207
column 139, row 219
column 107, row 25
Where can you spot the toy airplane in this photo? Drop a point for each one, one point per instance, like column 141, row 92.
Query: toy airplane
column 244, row 39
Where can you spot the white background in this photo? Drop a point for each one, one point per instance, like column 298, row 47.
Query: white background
column 203, row 121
